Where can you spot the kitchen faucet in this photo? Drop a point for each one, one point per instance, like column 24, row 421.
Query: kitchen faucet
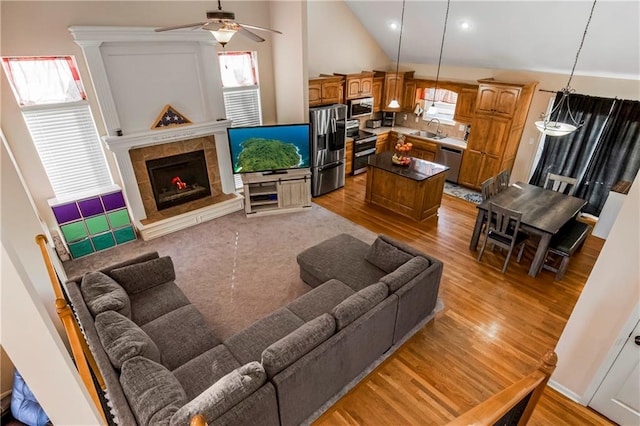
column 437, row 127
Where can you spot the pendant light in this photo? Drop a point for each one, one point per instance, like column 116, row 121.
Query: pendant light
column 432, row 109
column 394, row 102
column 556, row 128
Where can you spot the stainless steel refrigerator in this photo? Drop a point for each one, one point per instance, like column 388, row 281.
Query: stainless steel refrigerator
column 328, row 137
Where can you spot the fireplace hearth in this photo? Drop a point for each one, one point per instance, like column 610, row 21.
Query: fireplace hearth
column 178, row 179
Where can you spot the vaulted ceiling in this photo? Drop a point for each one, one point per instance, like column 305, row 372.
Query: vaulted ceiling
column 524, row 35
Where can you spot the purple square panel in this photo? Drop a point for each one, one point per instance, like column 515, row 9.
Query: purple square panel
column 90, row 207
column 66, row 212
column 113, row 201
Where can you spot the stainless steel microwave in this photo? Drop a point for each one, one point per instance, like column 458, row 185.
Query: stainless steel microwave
column 360, row 107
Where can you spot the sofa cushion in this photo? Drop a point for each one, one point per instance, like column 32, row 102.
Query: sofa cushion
column 293, row 346
column 404, row 273
column 156, row 301
column 154, row 394
column 357, row 304
column 141, row 276
column 196, row 375
column 341, row 257
column 248, row 344
column 101, row 293
column 320, row 300
column 122, row 339
column 386, row 256
column 181, row 335
column 223, row 394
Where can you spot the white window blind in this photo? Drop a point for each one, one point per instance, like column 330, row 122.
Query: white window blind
column 243, row 106
column 68, row 144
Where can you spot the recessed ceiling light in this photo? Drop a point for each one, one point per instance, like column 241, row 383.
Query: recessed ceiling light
column 393, row 26
column 465, row 25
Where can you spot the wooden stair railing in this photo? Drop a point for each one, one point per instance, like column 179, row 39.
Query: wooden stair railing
column 515, row 404
column 81, row 353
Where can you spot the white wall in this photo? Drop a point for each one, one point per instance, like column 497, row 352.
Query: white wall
column 607, row 301
column 339, row 43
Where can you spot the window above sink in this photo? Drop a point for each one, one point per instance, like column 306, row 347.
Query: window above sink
column 445, row 103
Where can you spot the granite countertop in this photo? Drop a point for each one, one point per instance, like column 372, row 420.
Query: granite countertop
column 453, row 142
column 418, row 170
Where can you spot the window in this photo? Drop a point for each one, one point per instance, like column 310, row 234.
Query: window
column 241, row 91
column 445, row 103
column 57, row 114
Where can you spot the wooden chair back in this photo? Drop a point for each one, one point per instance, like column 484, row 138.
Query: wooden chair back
column 502, row 180
column 503, row 230
column 488, row 189
column 560, row 183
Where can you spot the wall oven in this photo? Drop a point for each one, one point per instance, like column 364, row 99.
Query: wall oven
column 364, row 145
column 360, row 107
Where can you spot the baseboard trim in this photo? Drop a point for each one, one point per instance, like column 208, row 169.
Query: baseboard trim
column 566, row 392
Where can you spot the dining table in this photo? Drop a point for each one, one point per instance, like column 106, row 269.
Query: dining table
column 544, row 212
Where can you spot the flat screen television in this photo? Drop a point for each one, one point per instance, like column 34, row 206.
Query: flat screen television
column 269, row 148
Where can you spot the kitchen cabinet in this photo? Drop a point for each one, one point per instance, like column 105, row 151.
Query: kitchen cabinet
column 392, row 81
column 376, row 92
column 325, row 90
column 422, row 149
column 409, row 95
column 496, row 130
column 465, row 105
column 381, row 142
column 358, row 85
column 348, row 157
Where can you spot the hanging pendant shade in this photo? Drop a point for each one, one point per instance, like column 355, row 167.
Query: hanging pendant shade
column 549, row 127
column 394, row 102
column 433, row 110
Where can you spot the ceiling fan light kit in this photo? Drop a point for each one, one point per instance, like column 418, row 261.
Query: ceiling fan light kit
column 394, row 102
column 222, row 25
column 555, row 128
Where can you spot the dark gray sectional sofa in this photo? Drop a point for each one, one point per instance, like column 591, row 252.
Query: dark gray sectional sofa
column 162, row 364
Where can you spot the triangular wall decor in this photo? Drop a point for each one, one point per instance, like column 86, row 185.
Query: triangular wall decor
column 170, row 117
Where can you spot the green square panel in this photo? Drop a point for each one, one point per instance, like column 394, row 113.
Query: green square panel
column 124, row 234
column 103, row 241
column 118, row 218
column 74, row 231
column 81, row 248
column 97, row 224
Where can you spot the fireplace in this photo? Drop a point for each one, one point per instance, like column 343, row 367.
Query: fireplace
column 178, row 179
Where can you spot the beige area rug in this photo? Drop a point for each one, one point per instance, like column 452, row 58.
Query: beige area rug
column 235, row 269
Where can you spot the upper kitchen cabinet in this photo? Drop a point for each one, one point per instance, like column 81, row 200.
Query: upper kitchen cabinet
column 465, row 105
column 325, row 90
column 393, row 87
column 358, row 85
column 409, row 95
column 497, row 98
column 378, row 84
column 496, row 130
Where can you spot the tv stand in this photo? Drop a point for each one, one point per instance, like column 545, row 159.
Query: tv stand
column 280, row 191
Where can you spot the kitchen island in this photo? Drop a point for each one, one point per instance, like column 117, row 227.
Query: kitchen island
column 414, row 191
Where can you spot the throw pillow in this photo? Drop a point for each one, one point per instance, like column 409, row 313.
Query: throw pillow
column 223, row 394
column 101, row 293
column 154, row 394
column 299, row 342
column 357, row 304
column 386, row 256
column 141, row 276
column 405, row 273
column 122, row 339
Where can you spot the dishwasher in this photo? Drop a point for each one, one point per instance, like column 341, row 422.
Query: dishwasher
column 450, row 157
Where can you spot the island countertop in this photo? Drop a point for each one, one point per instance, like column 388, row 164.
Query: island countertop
column 418, row 170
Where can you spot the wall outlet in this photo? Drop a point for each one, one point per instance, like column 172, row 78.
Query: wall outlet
column 417, row 119
column 462, row 127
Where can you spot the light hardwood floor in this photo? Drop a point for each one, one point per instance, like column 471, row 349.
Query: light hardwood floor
column 493, row 330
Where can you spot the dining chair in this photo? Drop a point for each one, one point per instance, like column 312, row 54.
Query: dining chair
column 559, row 183
column 488, row 189
column 502, row 180
column 503, row 230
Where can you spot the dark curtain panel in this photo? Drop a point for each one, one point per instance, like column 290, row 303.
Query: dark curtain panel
column 616, row 157
column 569, row 155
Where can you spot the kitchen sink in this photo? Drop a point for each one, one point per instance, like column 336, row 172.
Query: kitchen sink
column 425, row 134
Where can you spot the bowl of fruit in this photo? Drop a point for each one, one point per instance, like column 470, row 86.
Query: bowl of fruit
column 402, row 148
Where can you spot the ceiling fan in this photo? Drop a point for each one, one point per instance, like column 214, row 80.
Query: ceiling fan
column 223, row 26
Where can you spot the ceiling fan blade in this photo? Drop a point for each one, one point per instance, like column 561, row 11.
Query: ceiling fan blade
column 212, row 25
column 177, row 27
column 253, row 36
column 254, row 27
